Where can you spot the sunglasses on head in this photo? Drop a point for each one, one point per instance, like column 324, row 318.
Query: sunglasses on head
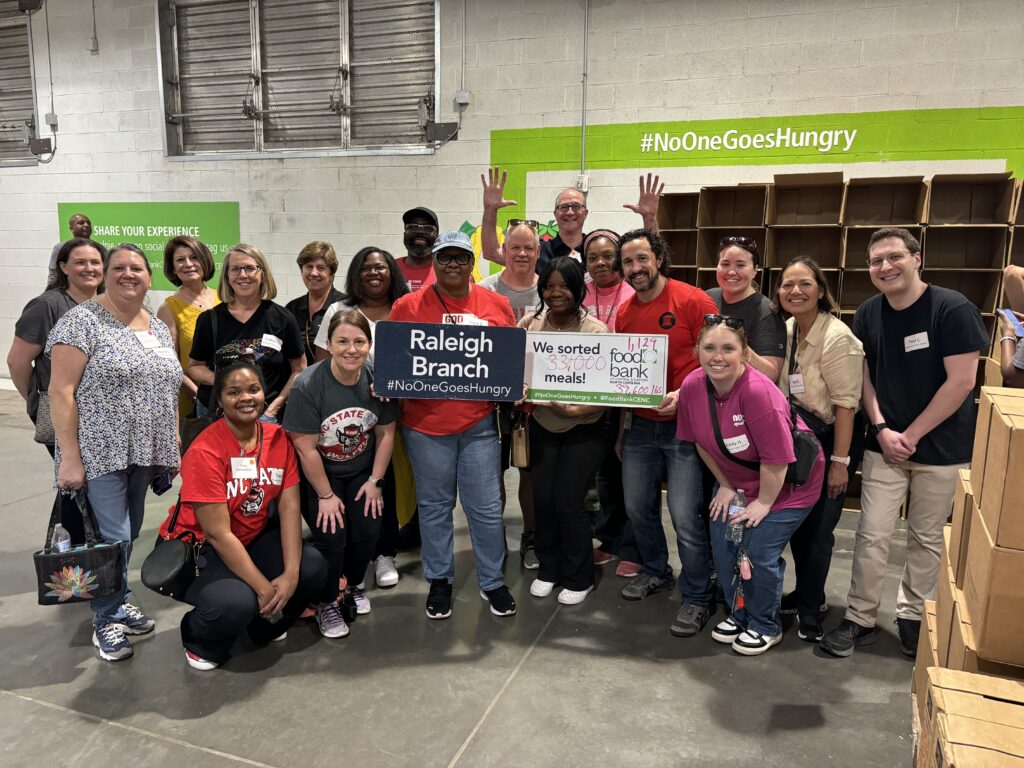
column 745, row 243
column 531, row 223
column 225, row 359
column 736, row 323
column 462, row 258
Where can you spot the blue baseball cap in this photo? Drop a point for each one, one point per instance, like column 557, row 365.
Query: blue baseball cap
column 453, row 238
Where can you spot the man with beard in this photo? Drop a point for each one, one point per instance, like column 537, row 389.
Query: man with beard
column 80, row 226
column 420, row 233
column 647, row 442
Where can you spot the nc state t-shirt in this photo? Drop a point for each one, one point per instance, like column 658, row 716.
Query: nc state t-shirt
column 344, row 416
column 207, row 477
column 678, row 311
column 481, row 307
column 755, row 424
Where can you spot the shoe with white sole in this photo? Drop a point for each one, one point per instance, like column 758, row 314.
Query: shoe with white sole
column 111, row 642
column 384, row 572
column 330, row 621
column 541, row 588
column 574, row 596
column 135, row 621
column 726, row 631
column 361, row 600
column 752, row 643
column 198, row 662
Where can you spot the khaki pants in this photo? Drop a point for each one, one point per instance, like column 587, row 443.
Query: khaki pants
column 883, row 490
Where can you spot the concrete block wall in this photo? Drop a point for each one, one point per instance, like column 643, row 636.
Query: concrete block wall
column 648, row 60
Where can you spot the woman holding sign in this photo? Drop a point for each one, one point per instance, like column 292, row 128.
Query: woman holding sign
column 114, row 400
column 732, row 412
column 248, row 322
column 566, row 448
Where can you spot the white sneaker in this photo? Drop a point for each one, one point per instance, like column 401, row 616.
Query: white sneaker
column 280, row 638
column 753, row 643
column 330, row 621
column 198, row 662
column 361, row 600
column 574, row 596
column 726, row 631
column 541, row 588
column 384, row 572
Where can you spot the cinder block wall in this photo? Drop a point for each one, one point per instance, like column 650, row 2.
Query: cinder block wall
column 668, row 60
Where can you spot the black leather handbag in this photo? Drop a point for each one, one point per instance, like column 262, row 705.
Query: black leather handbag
column 83, row 573
column 172, row 566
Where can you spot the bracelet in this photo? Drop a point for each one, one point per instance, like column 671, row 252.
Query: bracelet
column 325, row 498
column 1007, row 338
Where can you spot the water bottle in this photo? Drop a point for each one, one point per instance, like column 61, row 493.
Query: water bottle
column 61, row 540
column 734, row 532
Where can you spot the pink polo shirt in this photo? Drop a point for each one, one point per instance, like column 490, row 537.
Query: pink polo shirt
column 754, row 420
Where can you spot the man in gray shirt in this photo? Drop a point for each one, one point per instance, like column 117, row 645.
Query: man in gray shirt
column 80, row 226
column 518, row 281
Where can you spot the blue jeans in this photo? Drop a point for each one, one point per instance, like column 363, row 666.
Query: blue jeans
column 650, row 448
column 467, row 463
column 118, row 500
column 762, row 595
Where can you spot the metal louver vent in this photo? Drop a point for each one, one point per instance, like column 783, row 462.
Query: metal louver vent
column 16, row 101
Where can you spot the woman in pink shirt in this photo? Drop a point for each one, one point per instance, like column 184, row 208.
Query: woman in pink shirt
column 754, row 424
column 606, row 290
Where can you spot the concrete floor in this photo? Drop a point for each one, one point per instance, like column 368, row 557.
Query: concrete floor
column 600, row 683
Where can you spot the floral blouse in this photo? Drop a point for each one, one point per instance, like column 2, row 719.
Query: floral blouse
column 128, row 396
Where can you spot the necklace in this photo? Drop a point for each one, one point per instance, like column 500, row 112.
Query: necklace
column 611, row 307
column 575, row 321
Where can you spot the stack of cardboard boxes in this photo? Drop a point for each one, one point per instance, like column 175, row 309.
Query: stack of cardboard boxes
column 969, row 677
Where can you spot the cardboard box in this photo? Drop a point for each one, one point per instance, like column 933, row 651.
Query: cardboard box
column 678, row 210
column 1019, row 218
column 993, row 376
column 1017, row 242
column 959, row 247
column 960, row 533
column 944, row 604
column 823, row 243
column 981, row 287
column 889, row 201
column 927, row 649
column 994, row 595
column 980, row 456
column 741, row 206
column 856, row 288
column 948, row 693
column 855, row 244
column 982, row 198
column 963, row 742
column 805, row 198
column 683, row 245
column 963, row 650
column 1002, row 491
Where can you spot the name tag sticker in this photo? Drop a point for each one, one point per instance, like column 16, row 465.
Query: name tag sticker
column 271, row 342
column 243, row 467
column 148, row 339
column 796, row 383
column 276, row 475
column 166, row 352
column 915, row 341
column 737, row 444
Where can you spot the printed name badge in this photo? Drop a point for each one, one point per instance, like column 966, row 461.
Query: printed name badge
column 271, row 341
column 243, row 467
column 737, row 444
column 796, row 383
column 148, row 339
column 166, row 353
column 915, row 341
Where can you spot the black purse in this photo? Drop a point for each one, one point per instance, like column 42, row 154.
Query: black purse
column 83, row 573
column 805, row 444
column 172, row 566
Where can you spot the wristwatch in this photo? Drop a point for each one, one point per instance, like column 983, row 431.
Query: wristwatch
column 377, row 481
column 874, row 429
column 844, row 460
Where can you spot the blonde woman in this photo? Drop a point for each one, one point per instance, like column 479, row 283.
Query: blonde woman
column 248, row 324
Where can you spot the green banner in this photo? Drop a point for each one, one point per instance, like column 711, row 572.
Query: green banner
column 151, row 225
column 859, row 137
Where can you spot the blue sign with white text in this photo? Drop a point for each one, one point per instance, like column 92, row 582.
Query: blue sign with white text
column 449, row 362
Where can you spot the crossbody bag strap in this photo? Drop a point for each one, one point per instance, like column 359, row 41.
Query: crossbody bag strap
column 792, row 370
column 718, row 433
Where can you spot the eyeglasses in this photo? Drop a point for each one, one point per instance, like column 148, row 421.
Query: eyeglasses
column 531, row 223
column 893, row 258
column 736, row 323
column 745, row 243
column 246, row 269
column 462, row 258
column 574, row 207
column 420, row 229
column 367, row 268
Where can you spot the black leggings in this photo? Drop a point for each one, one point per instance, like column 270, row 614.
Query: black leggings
column 225, row 606
column 348, row 550
column 387, row 542
column 563, row 465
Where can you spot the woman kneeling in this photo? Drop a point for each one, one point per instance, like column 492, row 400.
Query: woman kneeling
column 751, row 424
column 255, row 575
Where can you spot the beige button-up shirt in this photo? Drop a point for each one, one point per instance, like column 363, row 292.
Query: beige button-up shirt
column 831, row 360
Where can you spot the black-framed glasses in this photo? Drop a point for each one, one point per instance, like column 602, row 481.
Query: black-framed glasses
column 893, row 258
column 746, row 243
column 736, row 323
column 420, row 229
column 574, row 207
column 531, row 223
column 462, row 258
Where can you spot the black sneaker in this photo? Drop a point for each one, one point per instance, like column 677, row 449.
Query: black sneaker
column 843, row 639
column 690, row 620
column 528, row 552
column 645, row 585
column 910, row 633
column 788, row 605
column 810, row 630
column 502, row 603
column 439, row 601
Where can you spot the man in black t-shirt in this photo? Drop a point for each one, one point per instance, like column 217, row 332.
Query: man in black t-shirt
column 921, row 346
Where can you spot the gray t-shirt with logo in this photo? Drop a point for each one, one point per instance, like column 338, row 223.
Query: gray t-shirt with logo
column 522, row 301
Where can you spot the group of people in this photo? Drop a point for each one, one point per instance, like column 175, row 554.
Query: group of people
column 298, row 432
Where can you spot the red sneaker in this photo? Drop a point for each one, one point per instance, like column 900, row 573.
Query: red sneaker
column 628, row 569
column 601, row 557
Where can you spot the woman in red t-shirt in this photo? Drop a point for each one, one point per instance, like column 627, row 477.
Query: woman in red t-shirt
column 254, row 575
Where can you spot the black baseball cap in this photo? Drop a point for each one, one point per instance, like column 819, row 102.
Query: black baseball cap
column 425, row 212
